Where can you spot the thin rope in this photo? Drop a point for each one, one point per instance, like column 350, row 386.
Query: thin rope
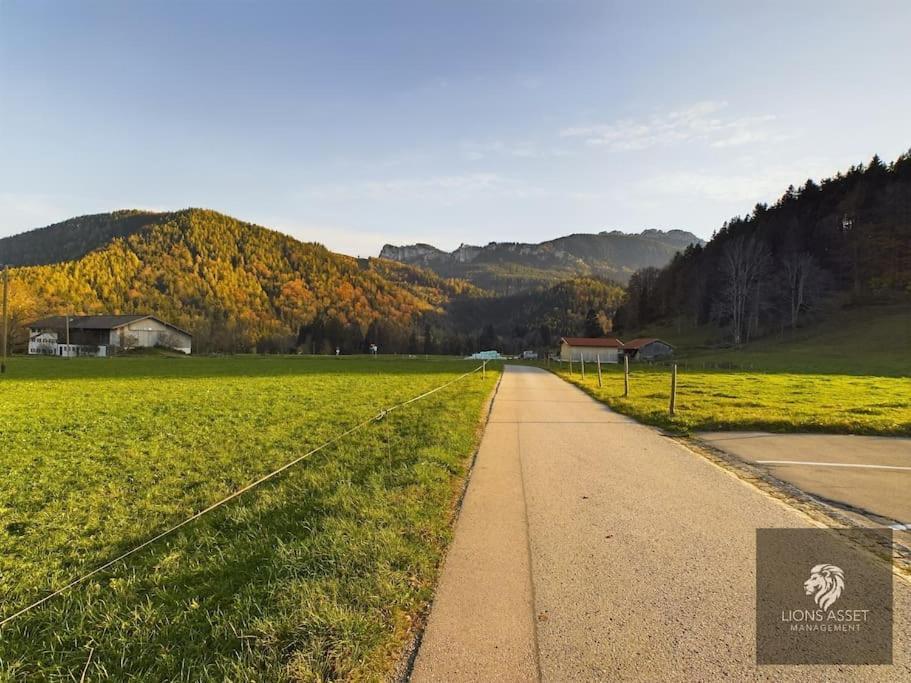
column 338, row 437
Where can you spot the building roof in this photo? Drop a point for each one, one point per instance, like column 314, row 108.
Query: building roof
column 95, row 322
column 595, row 342
column 644, row 341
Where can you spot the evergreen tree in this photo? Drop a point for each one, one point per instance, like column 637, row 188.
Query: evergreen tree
column 593, row 324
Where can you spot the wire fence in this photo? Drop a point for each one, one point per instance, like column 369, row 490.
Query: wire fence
column 239, row 492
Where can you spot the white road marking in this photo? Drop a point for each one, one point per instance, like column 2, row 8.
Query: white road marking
column 831, row 464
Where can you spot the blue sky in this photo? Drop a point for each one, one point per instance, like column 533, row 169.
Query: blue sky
column 359, row 123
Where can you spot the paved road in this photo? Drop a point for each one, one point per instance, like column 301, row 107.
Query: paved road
column 871, row 473
column 591, row 548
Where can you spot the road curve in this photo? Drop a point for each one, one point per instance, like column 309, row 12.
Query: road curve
column 592, row 548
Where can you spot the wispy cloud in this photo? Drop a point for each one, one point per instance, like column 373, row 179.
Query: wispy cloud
column 703, row 121
column 745, row 187
column 446, row 189
column 475, row 150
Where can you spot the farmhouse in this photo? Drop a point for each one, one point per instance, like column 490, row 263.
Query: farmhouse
column 647, row 349
column 99, row 335
column 590, row 349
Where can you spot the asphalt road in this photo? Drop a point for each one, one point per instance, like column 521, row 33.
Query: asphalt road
column 867, row 473
column 591, row 548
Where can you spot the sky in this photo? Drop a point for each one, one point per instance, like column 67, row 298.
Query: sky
column 355, row 124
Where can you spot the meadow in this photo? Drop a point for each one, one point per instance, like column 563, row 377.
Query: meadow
column 848, row 374
column 711, row 399
column 318, row 574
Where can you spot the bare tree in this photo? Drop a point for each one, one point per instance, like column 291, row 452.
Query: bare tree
column 743, row 264
column 796, row 267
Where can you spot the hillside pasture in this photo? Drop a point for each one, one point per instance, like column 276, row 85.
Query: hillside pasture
column 319, row 574
column 868, row 340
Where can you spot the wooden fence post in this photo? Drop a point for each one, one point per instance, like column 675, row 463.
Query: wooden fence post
column 673, row 404
column 598, row 358
column 625, row 375
column 570, row 364
column 582, row 363
column 484, row 369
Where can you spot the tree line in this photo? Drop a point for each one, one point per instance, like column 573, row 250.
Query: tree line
column 845, row 240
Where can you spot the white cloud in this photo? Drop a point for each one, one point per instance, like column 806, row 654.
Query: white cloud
column 445, row 189
column 745, row 187
column 474, row 150
column 700, row 122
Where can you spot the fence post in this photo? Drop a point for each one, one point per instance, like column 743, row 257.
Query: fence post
column 582, row 363
column 598, row 358
column 673, row 404
column 484, row 369
column 625, row 375
column 570, row 364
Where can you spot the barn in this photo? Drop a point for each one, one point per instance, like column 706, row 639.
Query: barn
column 648, row 349
column 99, row 335
column 608, row 349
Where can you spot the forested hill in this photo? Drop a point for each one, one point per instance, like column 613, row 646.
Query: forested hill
column 511, row 267
column 846, row 240
column 73, row 238
column 233, row 284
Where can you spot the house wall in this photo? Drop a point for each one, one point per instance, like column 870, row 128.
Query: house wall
column 148, row 333
column 589, row 353
column 42, row 343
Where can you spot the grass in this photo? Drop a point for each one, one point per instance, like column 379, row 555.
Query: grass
column 710, row 400
column 317, row 575
column 871, row 340
column 848, row 374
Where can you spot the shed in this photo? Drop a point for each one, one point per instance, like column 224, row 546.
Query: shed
column 591, row 349
column 648, row 348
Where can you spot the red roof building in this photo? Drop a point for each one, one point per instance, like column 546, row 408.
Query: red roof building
column 591, row 349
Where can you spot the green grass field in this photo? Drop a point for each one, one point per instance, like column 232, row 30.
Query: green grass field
column 767, row 401
column 316, row 575
column 850, row 374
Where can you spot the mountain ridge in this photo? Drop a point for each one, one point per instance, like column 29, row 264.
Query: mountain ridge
column 506, row 267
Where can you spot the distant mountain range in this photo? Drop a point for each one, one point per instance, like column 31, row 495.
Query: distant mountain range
column 510, row 267
column 236, row 285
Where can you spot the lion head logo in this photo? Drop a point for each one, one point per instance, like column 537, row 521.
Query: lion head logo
column 825, row 584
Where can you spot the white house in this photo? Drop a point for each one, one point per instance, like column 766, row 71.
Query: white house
column 608, row 349
column 99, row 335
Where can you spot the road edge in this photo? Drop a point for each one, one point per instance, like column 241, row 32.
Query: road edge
column 405, row 666
column 819, row 511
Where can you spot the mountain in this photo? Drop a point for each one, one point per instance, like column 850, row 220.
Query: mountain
column 845, row 241
column 509, row 267
column 233, row 284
